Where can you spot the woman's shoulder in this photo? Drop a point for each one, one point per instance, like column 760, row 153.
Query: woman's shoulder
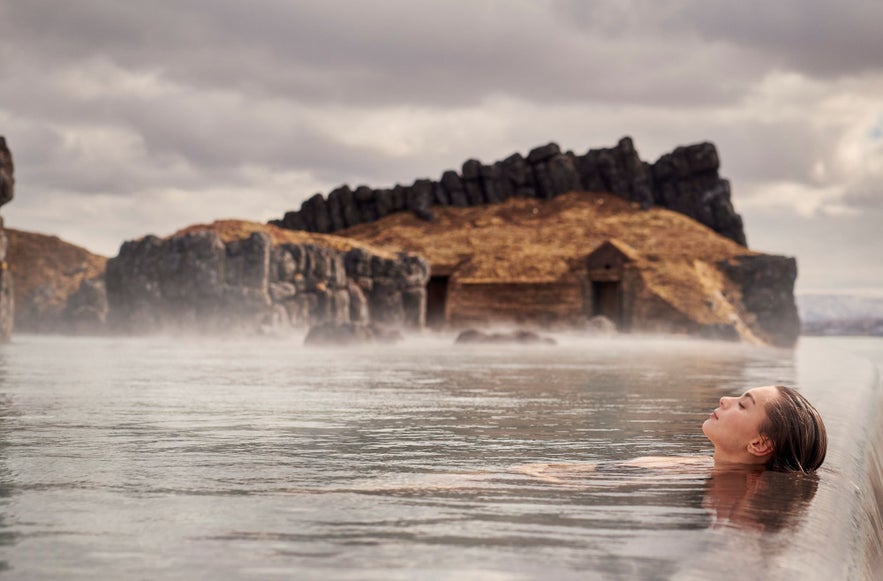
column 556, row 472
column 667, row 461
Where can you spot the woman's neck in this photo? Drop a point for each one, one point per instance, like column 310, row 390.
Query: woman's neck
column 724, row 459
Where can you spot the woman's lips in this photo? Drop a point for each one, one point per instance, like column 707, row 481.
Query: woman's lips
column 714, row 415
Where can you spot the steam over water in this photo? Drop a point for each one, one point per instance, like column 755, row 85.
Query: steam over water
column 261, row 458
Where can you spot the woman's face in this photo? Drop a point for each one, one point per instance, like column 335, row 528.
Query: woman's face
column 735, row 424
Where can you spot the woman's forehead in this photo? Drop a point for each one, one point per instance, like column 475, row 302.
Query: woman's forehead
column 763, row 394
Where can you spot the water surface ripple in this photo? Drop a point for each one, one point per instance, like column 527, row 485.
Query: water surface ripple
column 260, row 458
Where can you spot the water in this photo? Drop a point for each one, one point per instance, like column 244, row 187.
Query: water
column 230, row 459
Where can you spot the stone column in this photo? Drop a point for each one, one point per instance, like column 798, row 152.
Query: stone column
column 7, row 190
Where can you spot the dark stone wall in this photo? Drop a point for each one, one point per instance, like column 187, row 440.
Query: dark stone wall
column 685, row 180
column 767, row 285
column 7, row 191
column 196, row 282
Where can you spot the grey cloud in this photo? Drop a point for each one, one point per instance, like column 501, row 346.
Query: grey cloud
column 246, row 77
column 865, row 194
column 836, row 253
column 768, row 151
column 408, row 52
column 818, row 38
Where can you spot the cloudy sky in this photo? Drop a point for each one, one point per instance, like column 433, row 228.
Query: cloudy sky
column 127, row 118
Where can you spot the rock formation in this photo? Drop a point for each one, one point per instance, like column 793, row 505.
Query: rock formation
column 561, row 262
column 59, row 287
column 685, row 180
column 518, row 337
column 251, row 277
column 338, row 334
column 766, row 285
column 7, row 191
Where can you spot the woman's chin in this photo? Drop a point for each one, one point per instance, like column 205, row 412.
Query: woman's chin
column 705, row 427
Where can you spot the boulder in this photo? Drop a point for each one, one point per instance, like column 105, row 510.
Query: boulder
column 440, row 196
column 563, row 174
column 472, row 182
column 367, row 204
column 86, row 309
column 347, row 334
column 767, row 286
column 7, row 173
column 419, row 200
column 453, row 185
column 519, row 176
column 600, row 325
column 542, row 153
column 518, row 337
column 7, row 192
column 339, row 334
column 687, row 181
column 490, row 184
column 335, row 209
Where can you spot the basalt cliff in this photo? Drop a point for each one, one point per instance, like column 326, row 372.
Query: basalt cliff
column 7, row 191
column 547, row 240
column 59, row 287
column 685, row 180
column 554, row 238
column 247, row 277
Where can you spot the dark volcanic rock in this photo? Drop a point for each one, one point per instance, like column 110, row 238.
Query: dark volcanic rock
column 490, row 184
column 543, row 152
column 86, row 309
column 7, row 173
column 518, row 175
column 337, row 334
column 719, row 332
column 453, row 185
column 563, row 175
column 344, row 334
column 7, row 192
column 767, row 284
column 514, row 337
column 685, row 180
column 472, row 182
column 419, row 200
column 194, row 281
column 368, row 205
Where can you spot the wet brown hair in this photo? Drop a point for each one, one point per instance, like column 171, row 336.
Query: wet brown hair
column 797, row 432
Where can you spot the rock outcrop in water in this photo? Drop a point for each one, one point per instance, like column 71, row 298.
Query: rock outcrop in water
column 685, row 180
column 558, row 263
column 340, row 334
column 59, row 287
column 518, row 337
column 250, row 277
column 528, row 241
column 7, row 191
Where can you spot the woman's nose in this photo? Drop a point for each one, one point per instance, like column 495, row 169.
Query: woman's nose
column 723, row 400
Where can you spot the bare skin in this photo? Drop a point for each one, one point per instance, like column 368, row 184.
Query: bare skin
column 733, row 429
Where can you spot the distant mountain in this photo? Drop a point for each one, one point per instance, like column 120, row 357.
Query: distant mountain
column 815, row 308
column 841, row 315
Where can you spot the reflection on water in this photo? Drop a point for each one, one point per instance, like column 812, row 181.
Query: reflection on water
column 759, row 500
column 230, row 459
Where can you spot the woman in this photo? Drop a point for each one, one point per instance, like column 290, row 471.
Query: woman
column 772, row 426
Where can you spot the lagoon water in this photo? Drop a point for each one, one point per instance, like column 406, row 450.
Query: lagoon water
column 158, row 458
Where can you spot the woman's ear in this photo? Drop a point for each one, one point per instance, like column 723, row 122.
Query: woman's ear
column 760, row 446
